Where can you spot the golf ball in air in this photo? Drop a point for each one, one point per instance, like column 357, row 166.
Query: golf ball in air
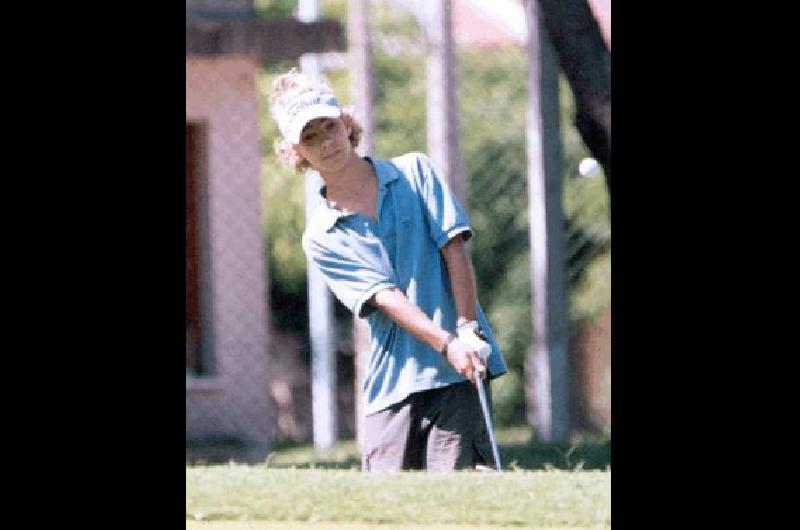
column 588, row 167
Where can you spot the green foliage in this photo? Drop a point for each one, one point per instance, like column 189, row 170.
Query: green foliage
column 283, row 210
column 400, row 124
column 282, row 206
column 399, row 74
column 592, row 294
column 336, row 9
column 275, row 8
column 588, row 216
column 492, row 96
column 395, row 30
column 508, row 393
column 508, row 309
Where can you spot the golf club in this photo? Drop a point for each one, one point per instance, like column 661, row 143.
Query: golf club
column 479, row 377
column 475, row 338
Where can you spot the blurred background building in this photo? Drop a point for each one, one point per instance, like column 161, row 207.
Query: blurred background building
column 228, row 407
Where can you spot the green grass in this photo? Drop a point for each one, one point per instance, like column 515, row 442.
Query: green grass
column 518, row 451
column 272, row 525
column 532, row 499
column 545, row 486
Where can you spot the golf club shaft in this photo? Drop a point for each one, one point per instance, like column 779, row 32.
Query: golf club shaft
column 487, row 417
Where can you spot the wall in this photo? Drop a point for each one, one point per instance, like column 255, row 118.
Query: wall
column 234, row 402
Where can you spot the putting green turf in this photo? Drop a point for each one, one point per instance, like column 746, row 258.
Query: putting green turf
column 254, row 497
column 261, row 525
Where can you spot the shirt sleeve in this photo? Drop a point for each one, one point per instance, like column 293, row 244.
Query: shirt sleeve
column 446, row 217
column 353, row 269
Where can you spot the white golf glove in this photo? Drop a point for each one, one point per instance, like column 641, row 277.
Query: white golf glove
column 470, row 332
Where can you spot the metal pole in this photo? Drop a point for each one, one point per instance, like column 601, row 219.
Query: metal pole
column 547, row 366
column 360, row 51
column 442, row 100
column 320, row 303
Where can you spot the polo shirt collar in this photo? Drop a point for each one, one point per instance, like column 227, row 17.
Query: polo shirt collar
column 328, row 214
column 386, row 174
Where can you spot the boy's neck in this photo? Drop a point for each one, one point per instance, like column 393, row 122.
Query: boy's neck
column 350, row 178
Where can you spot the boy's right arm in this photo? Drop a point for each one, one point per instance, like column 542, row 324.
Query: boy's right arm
column 402, row 311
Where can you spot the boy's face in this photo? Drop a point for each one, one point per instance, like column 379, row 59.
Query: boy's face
column 325, row 143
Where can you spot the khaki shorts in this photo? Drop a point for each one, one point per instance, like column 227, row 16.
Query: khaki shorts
column 440, row 429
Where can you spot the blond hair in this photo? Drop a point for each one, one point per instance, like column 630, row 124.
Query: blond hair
column 287, row 86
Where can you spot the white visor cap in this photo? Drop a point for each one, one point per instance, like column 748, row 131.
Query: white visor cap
column 303, row 108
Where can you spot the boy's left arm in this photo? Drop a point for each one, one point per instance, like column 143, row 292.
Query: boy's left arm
column 462, row 278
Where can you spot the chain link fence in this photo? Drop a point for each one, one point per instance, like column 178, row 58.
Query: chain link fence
column 226, row 317
column 248, row 352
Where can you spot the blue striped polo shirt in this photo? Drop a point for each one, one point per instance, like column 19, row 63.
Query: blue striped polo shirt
column 417, row 214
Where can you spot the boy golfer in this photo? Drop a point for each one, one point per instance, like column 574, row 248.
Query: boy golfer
column 389, row 238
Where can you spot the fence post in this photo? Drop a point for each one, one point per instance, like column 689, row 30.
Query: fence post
column 360, row 51
column 444, row 146
column 547, row 380
column 320, row 303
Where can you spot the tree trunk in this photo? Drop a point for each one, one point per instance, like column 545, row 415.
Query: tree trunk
column 586, row 62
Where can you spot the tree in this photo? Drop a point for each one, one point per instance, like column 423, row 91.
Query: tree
column 586, row 62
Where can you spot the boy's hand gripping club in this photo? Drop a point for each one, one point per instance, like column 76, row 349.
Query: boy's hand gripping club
column 471, row 334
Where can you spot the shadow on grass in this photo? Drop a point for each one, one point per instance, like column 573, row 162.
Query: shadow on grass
column 533, row 455
column 595, row 455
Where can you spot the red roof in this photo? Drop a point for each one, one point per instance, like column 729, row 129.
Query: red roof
column 473, row 24
column 488, row 23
